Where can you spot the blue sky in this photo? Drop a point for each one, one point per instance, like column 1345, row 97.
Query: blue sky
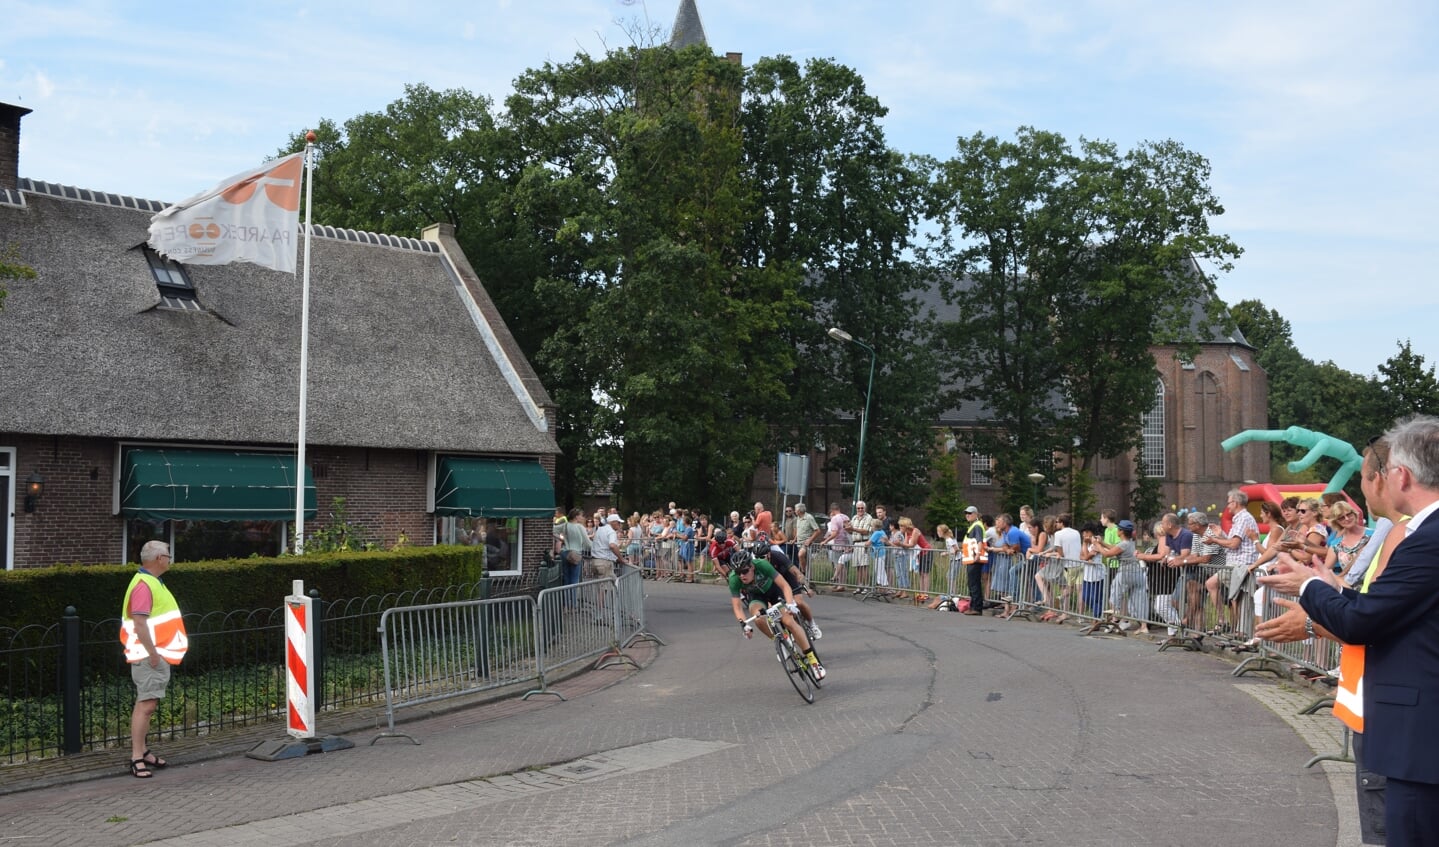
column 1319, row 118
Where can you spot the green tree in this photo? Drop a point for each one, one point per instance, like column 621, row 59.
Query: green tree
column 1067, row 267
column 1149, row 213
column 1406, row 386
column 839, row 209
column 12, row 268
column 946, row 498
column 680, row 335
column 1146, row 502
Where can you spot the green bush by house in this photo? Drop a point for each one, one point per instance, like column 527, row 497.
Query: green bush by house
column 39, row 596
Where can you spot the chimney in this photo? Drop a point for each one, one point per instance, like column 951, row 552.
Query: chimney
column 10, row 116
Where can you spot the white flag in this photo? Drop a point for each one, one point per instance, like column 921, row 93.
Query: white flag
column 250, row 217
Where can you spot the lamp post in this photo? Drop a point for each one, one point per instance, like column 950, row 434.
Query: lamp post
column 1036, row 478
column 840, row 335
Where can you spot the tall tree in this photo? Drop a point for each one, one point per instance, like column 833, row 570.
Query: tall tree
column 1067, row 267
column 1407, row 387
column 838, row 211
column 680, row 335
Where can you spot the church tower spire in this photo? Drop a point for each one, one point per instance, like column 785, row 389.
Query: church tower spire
column 688, row 28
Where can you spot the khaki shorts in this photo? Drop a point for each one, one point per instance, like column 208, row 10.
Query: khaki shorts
column 604, row 568
column 150, row 683
column 1072, row 576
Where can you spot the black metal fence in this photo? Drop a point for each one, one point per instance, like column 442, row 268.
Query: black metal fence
column 68, row 689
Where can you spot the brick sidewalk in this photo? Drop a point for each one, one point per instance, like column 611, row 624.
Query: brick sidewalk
column 359, row 725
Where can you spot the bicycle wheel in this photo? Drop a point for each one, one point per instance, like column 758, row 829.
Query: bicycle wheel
column 794, row 667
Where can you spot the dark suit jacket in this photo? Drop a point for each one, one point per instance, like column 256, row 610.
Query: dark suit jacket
column 1398, row 622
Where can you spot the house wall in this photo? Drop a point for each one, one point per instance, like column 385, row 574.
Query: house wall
column 72, row 521
column 385, row 491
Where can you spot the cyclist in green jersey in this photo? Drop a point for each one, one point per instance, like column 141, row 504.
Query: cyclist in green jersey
column 754, row 585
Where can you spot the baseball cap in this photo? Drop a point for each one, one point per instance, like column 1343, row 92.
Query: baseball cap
column 615, row 518
column 1127, row 526
column 972, row 510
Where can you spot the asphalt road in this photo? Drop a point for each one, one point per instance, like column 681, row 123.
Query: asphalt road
column 932, row 728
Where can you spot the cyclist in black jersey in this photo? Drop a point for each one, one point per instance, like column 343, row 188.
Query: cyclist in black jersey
column 754, row 586
column 775, row 555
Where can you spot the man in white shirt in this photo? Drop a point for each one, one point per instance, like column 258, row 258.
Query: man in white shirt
column 606, row 551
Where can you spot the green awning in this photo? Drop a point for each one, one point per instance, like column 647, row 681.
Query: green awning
column 493, row 488
column 211, row 485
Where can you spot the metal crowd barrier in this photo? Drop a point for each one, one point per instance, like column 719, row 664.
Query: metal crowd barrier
column 439, row 651
column 887, row 573
column 442, row 650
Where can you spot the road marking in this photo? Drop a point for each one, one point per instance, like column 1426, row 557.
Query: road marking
column 377, row 813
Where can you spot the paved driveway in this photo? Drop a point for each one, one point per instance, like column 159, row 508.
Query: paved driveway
column 933, row 728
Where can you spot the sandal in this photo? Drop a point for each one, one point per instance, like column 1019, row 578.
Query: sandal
column 140, row 770
column 154, row 761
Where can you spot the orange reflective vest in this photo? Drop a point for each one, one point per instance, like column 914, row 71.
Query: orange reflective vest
column 972, row 551
column 1349, row 695
column 167, row 626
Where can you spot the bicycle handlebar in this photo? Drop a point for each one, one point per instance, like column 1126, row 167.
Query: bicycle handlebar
column 766, row 613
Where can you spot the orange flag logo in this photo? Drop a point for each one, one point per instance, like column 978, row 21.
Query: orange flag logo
column 281, row 183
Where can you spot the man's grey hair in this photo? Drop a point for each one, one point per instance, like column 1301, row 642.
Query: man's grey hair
column 1239, row 497
column 1199, row 518
column 1170, row 519
column 153, row 550
column 859, row 504
column 799, row 507
column 1414, row 443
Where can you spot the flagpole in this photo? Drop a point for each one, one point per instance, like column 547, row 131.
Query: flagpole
column 304, row 351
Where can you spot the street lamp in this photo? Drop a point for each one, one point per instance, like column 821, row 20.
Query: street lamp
column 843, row 337
column 1036, row 478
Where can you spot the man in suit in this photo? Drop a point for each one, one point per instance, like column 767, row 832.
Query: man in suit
column 1398, row 621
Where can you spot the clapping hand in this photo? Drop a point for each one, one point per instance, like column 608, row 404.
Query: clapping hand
column 1289, row 576
column 1287, row 627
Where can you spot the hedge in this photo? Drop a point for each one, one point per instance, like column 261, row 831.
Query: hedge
column 40, row 595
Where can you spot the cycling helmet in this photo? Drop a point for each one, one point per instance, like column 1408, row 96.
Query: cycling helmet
column 741, row 560
column 720, row 535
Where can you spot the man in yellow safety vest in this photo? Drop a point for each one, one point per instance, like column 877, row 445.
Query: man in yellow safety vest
column 153, row 633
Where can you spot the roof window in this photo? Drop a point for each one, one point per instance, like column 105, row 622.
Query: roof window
column 176, row 289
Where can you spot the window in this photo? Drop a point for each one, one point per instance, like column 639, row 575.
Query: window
column 1239, row 363
column 1152, row 429
column 199, row 541
column 1210, row 404
column 176, row 290
column 502, row 538
column 981, row 469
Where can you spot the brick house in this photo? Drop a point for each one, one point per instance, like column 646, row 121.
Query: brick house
column 149, row 399
column 1197, row 404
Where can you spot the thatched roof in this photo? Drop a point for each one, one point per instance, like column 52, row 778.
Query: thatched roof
column 406, row 349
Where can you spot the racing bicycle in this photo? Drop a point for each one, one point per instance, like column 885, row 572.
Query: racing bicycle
column 800, row 674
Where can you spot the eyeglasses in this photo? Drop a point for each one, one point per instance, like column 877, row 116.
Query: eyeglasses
column 1302, row 511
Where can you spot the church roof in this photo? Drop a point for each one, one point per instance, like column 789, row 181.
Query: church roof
column 689, row 29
